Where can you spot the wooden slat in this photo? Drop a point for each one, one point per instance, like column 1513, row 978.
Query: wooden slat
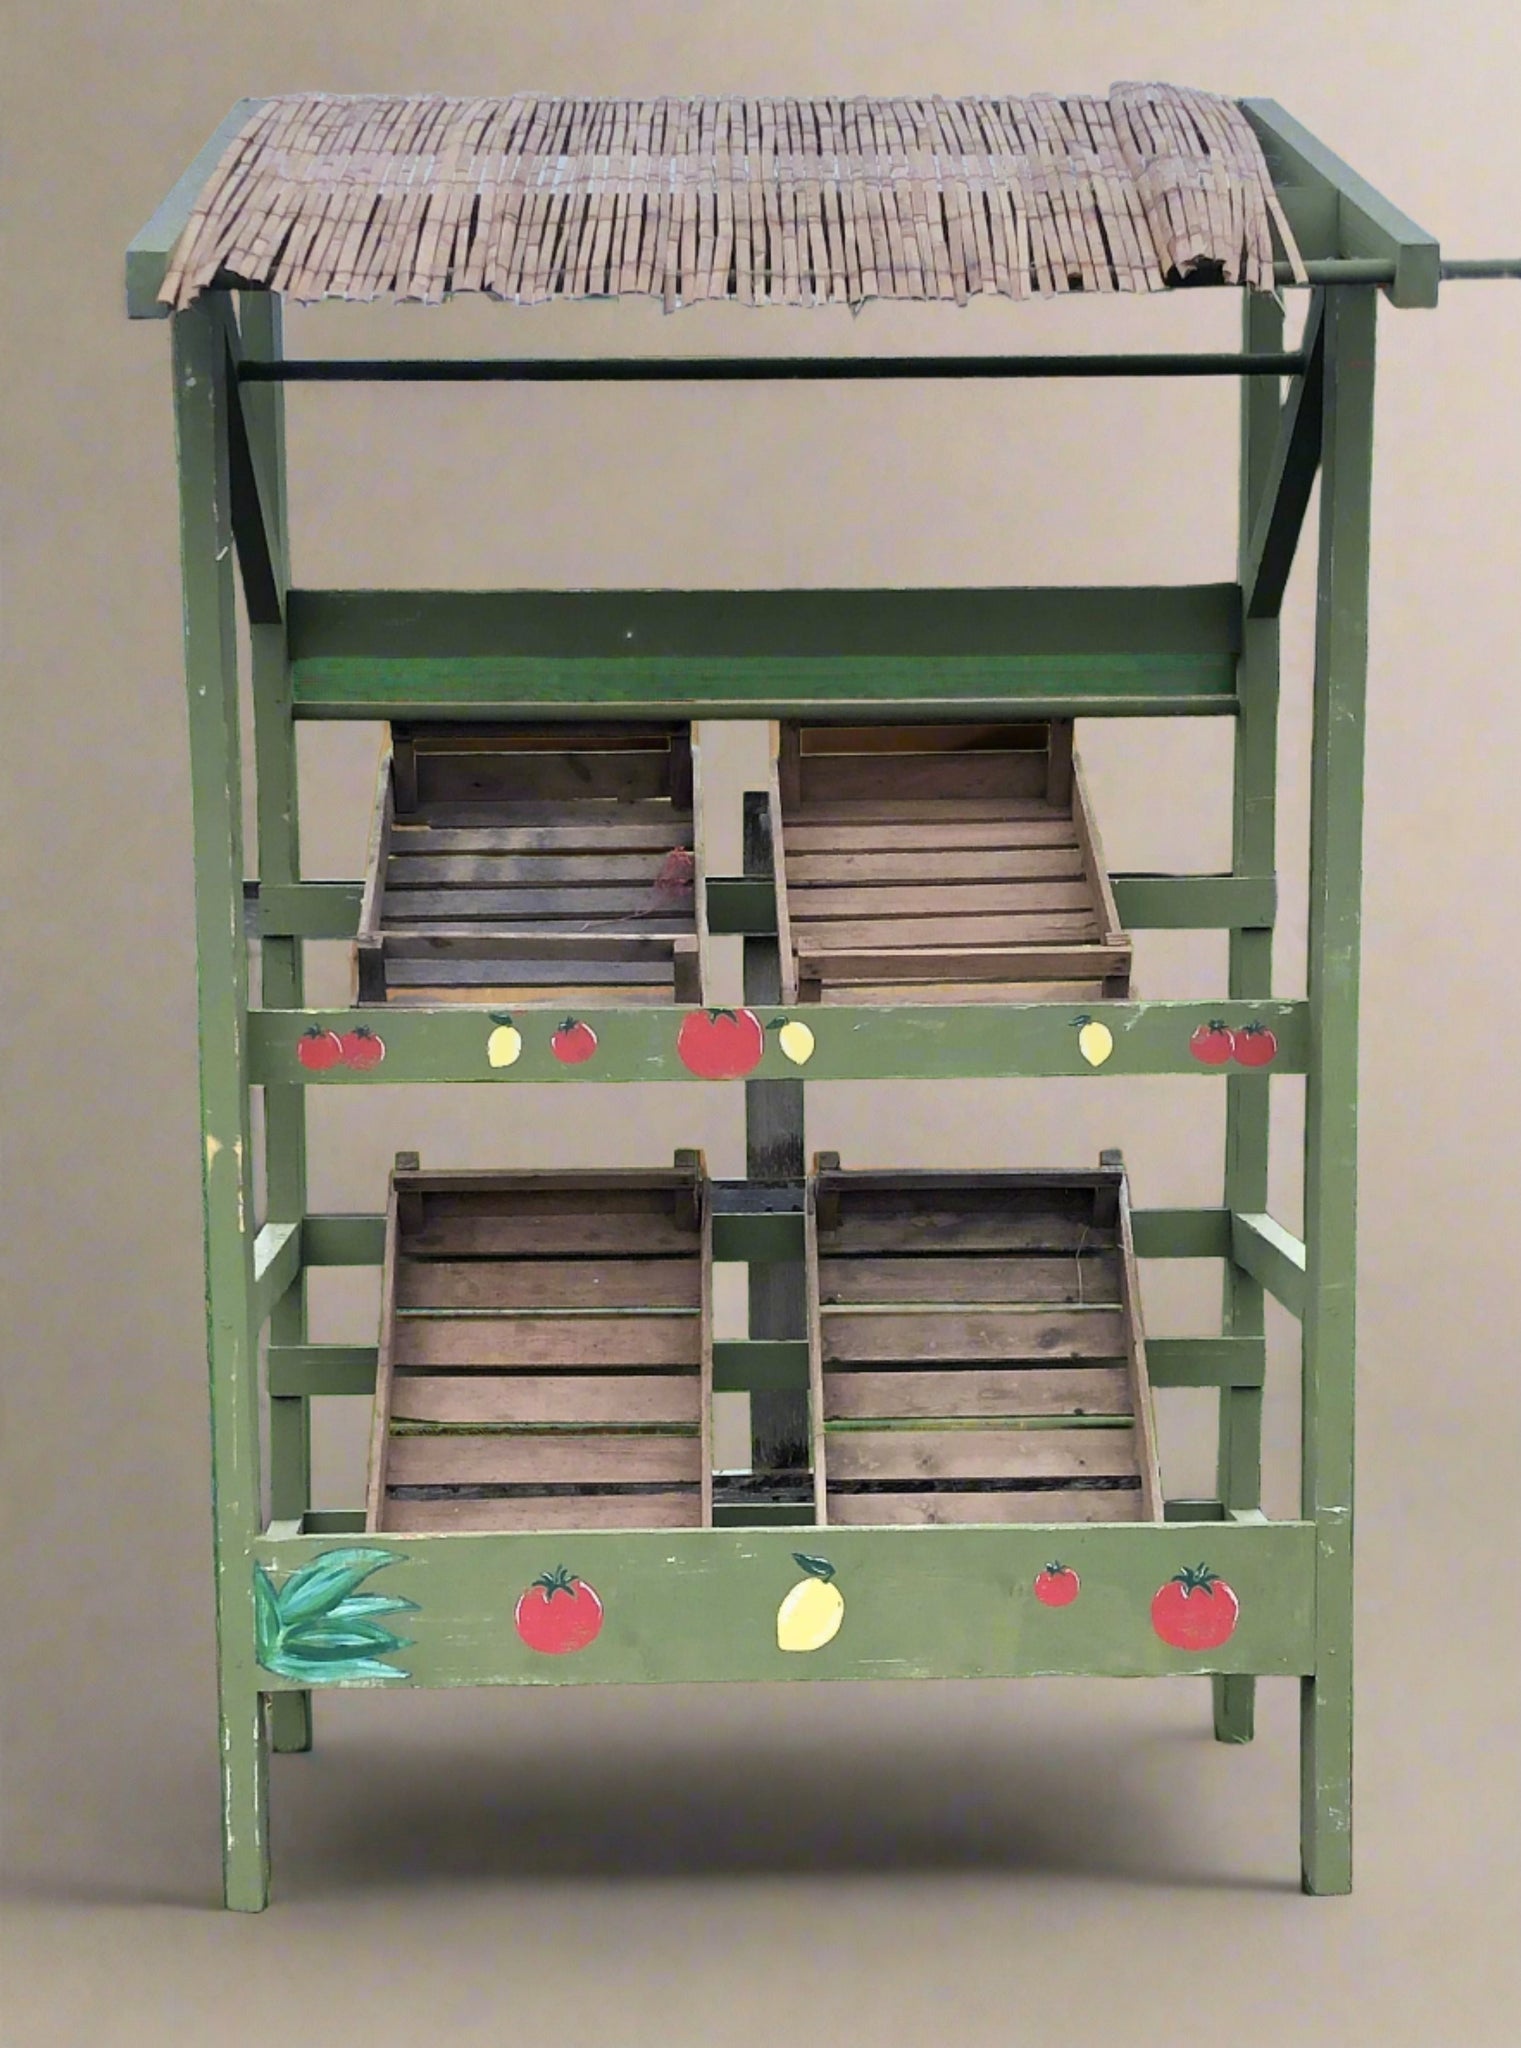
column 484, row 1235
column 1086, row 1277
column 504, row 778
column 942, row 899
column 626, row 1398
column 552, row 1460
column 820, row 938
column 972, row 1333
column 915, row 778
column 588, row 1340
column 380, row 1418
column 407, row 906
column 1044, row 1504
column 944, row 835
column 1036, row 1390
column 528, row 974
column 547, row 997
column 920, row 811
column 571, row 945
column 825, row 742
column 972, row 864
column 548, row 1283
column 605, row 831
column 588, row 812
column 548, row 1511
column 1049, row 1222
column 520, row 870
column 971, row 963
column 878, row 994
column 990, row 1453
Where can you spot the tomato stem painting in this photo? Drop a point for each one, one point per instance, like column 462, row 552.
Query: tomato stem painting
column 558, row 1614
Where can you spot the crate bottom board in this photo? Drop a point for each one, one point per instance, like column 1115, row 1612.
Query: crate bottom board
column 682, row 1606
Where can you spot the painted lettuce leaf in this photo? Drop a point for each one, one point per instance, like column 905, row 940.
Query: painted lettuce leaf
column 316, row 1626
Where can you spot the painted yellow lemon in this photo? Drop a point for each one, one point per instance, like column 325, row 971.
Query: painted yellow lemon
column 1095, row 1042
column 796, row 1041
column 810, row 1615
column 504, row 1045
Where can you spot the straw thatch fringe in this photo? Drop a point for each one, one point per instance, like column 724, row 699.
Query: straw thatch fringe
column 793, row 202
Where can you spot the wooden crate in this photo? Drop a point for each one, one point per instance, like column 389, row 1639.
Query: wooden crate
column 940, row 863
column 523, row 864
column 975, row 1349
column 545, row 1352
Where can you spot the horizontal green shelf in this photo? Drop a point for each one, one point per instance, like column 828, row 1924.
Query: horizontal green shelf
column 764, row 653
column 977, row 1041
column 690, row 1605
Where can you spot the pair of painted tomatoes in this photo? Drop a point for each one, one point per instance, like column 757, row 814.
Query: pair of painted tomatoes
column 320, row 1050
column 1195, row 1610
column 1216, row 1045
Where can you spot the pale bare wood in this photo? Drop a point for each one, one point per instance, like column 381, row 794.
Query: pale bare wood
column 554, row 1459
column 881, row 995
column 380, row 1418
column 1045, row 1504
column 782, row 773
column 629, row 1399
column 1095, row 867
column 697, row 981
column 664, row 1510
column 1087, row 1277
column 983, row 1453
column 1041, row 1391
column 577, row 834
column 922, row 811
column 484, row 1342
column 925, row 1334
column 817, row 1444
column 968, row 963
column 551, row 1001
column 945, row 899
column 969, row 864
column 817, row 938
column 905, row 1225
column 548, row 1283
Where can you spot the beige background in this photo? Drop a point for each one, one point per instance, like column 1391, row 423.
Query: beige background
column 884, row 1865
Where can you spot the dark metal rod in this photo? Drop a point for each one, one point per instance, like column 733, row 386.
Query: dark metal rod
column 757, row 369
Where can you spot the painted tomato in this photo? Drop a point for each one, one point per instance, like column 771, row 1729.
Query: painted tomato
column 1213, row 1044
column 558, row 1613
column 1057, row 1585
column 574, row 1042
column 720, row 1045
column 362, row 1048
column 1255, row 1046
column 1195, row 1610
column 318, row 1050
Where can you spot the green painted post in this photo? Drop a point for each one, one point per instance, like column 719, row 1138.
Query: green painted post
column 200, row 402
column 280, row 959
column 1253, row 852
column 1336, row 805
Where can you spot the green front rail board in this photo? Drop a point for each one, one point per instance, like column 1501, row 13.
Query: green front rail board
column 304, row 1595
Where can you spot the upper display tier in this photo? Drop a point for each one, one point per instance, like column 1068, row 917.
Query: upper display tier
column 765, row 201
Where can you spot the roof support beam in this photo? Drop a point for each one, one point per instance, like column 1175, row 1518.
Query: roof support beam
column 251, row 495
column 1289, row 480
column 1308, row 177
column 149, row 251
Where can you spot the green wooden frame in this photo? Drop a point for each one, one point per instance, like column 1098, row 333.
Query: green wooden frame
column 684, row 1606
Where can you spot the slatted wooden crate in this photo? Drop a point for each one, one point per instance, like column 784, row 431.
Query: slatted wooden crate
column 976, row 1351
column 521, row 864
column 940, row 863
column 545, row 1352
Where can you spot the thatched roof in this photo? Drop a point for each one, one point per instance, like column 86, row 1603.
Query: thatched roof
column 766, row 201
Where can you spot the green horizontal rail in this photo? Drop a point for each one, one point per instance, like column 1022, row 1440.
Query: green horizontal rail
column 1196, row 902
column 894, row 1042
column 924, row 1602
column 758, row 1240
column 1182, row 1233
column 1206, row 1361
column 343, row 1240
column 763, row 653
column 312, row 1369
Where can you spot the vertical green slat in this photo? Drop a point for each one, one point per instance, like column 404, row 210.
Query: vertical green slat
column 1253, row 852
column 290, row 1426
column 1336, row 805
column 200, row 399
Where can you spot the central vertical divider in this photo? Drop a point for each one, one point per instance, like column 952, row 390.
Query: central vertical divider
column 774, row 1151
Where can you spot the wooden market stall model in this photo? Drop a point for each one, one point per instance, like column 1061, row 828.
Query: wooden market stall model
column 950, row 1382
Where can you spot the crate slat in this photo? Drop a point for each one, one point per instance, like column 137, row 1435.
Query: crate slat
column 556, row 1459
column 851, row 1335
column 1089, row 1277
column 652, row 1510
column 1043, row 1504
column 547, row 1283
column 626, row 1398
column 1037, row 1390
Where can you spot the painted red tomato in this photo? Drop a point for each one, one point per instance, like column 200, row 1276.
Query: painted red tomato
column 1255, row 1046
column 720, row 1045
column 1213, row 1044
column 318, row 1050
column 1057, row 1585
column 362, row 1048
column 1195, row 1610
column 558, row 1614
column 574, row 1042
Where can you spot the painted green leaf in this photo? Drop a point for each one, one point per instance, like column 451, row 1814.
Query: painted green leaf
column 359, row 1605
column 330, row 1673
column 332, row 1577
column 355, row 1640
column 266, row 1615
